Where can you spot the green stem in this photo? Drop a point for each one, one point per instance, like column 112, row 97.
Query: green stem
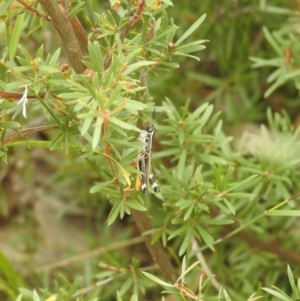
column 45, row 106
column 242, row 227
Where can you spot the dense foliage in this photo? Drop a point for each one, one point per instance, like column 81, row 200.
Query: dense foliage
column 79, row 80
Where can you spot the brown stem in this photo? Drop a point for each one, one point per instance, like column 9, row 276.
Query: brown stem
column 33, row 10
column 271, row 247
column 12, row 95
column 27, row 132
column 77, row 27
column 158, row 253
column 134, row 18
column 80, row 33
column 63, row 25
column 139, row 10
column 268, row 246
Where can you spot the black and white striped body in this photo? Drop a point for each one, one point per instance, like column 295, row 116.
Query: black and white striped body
column 144, row 165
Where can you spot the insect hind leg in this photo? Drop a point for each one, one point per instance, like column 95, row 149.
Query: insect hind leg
column 143, row 178
column 153, row 182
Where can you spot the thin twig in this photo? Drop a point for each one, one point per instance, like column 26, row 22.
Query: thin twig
column 206, row 269
column 157, row 251
column 89, row 254
column 33, row 10
column 134, row 18
column 103, row 282
column 14, row 95
column 139, row 10
column 27, row 132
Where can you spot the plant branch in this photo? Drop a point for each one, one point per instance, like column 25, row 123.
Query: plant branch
column 158, row 253
column 62, row 24
column 90, row 254
column 33, row 10
column 27, row 132
column 247, row 236
column 270, row 247
column 80, row 33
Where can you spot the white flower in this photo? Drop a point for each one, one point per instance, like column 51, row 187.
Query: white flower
column 24, row 101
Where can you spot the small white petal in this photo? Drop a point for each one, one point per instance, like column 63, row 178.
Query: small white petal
column 24, row 101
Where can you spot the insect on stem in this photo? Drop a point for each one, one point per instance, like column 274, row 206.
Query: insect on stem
column 144, row 164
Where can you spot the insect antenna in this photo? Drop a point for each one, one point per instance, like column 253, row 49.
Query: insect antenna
column 154, row 120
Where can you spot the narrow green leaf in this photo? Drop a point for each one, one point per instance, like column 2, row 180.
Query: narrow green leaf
column 229, row 206
column 279, row 295
column 132, row 55
column 119, row 298
column 183, row 267
column 283, row 213
column 89, row 87
column 8, row 272
column 98, row 187
column 4, row 6
column 208, row 239
column 97, row 132
column 19, row 298
column 191, row 45
column 242, row 183
column 239, row 195
column 133, row 67
column 157, row 280
column 291, row 75
column 186, row 55
column 190, row 30
column 199, row 111
column 181, row 136
column 132, row 203
column 182, row 161
column 279, row 10
column 9, row 125
column 74, row 95
column 96, row 57
column 7, row 105
column 186, row 271
column 189, row 212
column 123, row 125
column 75, row 141
column 67, row 144
column 114, row 212
column 191, row 49
column 170, row 64
column 55, row 144
column 160, row 36
column 292, row 282
column 75, row 285
column 275, row 86
column 134, row 297
column 186, row 241
column 48, row 69
column 15, row 36
column 76, row 9
column 115, row 95
column 25, row 292
column 91, row 114
column 55, row 57
column 133, row 106
column 178, row 232
column 35, row 296
column 272, row 41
